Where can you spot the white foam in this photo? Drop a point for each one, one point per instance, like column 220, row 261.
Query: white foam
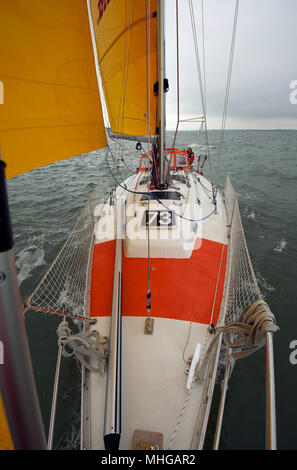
column 281, row 246
column 251, row 215
column 30, row 258
column 264, row 284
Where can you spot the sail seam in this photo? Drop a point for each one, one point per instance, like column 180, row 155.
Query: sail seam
column 12, row 129
column 21, row 79
column 143, row 19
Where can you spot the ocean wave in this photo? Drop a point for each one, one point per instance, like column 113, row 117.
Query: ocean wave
column 281, row 246
column 264, row 284
column 251, row 215
column 30, row 258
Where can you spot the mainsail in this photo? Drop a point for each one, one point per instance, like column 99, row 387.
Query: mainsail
column 126, row 39
column 51, row 108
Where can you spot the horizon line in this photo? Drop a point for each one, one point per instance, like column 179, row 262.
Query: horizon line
column 193, row 130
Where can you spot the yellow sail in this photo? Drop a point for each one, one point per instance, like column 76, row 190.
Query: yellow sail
column 51, row 106
column 126, row 38
column 5, row 438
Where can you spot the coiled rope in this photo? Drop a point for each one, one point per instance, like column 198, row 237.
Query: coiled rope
column 244, row 336
column 88, row 347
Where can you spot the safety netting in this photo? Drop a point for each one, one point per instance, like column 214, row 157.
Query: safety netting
column 245, row 317
column 241, row 288
column 63, row 288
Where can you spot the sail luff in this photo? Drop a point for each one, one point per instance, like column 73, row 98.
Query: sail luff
column 99, row 82
column 122, row 36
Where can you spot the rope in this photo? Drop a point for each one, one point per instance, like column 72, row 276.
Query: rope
column 255, row 322
column 187, row 399
column 182, row 216
column 85, row 346
column 209, row 190
column 244, row 336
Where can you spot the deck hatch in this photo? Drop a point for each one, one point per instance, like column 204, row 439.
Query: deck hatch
column 162, row 195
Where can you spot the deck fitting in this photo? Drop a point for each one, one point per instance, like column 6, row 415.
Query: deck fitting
column 149, row 326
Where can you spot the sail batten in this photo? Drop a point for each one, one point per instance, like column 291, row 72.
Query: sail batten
column 126, row 40
column 52, row 109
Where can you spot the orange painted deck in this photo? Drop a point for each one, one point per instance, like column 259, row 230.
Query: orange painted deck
column 182, row 289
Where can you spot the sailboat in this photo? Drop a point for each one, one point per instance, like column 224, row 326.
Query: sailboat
column 158, row 272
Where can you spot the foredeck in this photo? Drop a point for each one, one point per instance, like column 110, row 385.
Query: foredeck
column 186, row 296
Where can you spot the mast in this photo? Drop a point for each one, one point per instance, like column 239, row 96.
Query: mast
column 161, row 90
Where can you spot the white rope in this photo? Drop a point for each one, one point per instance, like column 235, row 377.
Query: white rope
column 244, row 336
column 89, row 348
column 186, row 402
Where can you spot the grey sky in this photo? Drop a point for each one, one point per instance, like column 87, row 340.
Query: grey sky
column 265, row 62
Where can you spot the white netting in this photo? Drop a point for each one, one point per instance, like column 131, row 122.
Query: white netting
column 242, row 288
column 62, row 290
column 245, row 317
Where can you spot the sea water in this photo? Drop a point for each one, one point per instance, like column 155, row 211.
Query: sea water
column 44, row 205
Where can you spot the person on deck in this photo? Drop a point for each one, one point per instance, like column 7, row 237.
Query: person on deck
column 190, row 155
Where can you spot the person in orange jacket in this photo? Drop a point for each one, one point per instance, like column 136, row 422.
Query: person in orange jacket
column 190, row 155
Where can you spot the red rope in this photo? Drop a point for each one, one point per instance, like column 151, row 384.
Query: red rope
column 55, row 312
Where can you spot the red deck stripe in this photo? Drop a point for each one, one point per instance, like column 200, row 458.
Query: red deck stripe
column 188, row 285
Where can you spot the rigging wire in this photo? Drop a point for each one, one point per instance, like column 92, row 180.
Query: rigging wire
column 177, row 74
column 203, row 50
column 227, row 88
column 154, row 196
column 120, row 144
column 202, row 89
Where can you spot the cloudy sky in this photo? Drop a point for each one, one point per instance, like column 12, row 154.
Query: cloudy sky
column 265, row 63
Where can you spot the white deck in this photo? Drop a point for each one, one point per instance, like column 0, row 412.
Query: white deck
column 154, row 370
column 181, row 239
column 154, row 382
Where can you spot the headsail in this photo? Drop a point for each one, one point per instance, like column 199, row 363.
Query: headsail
column 52, row 108
column 126, row 38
